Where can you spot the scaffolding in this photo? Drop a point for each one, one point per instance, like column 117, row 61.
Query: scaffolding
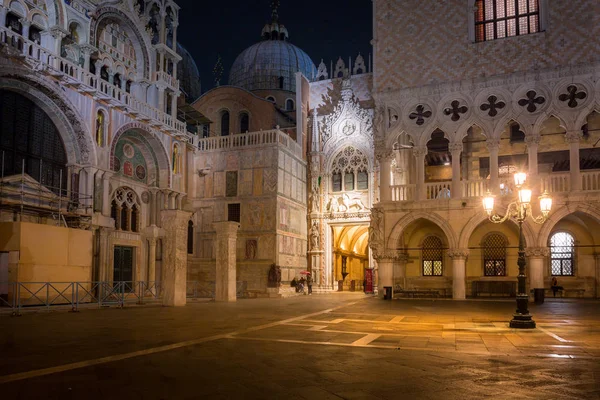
column 23, row 196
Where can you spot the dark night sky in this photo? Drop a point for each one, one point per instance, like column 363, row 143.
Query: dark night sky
column 325, row 29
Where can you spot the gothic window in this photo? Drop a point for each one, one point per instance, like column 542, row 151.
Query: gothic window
column 494, row 255
column 104, row 73
column 244, row 122
column 362, row 180
column 225, row 123
column 516, row 135
column 190, row 237
column 433, row 256
column 289, row 105
column 347, row 165
column 125, row 209
column 30, row 139
column 348, row 181
column 336, row 180
column 496, row 19
column 562, row 254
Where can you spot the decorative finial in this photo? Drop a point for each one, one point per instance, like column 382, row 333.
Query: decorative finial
column 274, row 13
column 218, row 71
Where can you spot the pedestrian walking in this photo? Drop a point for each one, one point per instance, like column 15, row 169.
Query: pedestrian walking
column 309, row 283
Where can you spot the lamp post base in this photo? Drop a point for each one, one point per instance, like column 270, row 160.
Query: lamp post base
column 522, row 321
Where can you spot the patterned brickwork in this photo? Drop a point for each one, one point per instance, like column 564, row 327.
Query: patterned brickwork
column 426, row 42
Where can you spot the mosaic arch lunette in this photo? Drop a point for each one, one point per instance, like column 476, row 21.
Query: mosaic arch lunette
column 142, row 135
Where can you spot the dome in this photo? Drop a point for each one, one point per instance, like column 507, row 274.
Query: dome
column 188, row 75
column 271, row 64
column 263, row 65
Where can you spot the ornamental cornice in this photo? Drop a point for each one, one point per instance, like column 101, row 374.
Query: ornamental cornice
column 391, row 255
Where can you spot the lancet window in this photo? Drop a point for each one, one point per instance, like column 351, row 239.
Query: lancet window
column 349, row 171
column 125, row 209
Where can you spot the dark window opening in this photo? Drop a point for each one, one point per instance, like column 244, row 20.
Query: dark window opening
column 244, row 123
column 124, row 222
column 337, row 182
column 233, row 212
column 349, row 181
column 281, row 81
column 363, row 180
column 190, row 237
column 225, row 123
column 289, row 105
column 134, row 219
column 516, row 135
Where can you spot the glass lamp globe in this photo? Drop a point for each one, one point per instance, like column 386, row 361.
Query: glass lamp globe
column 488, row 203
column 524, row 196
column 545, row 203
column 520, row 178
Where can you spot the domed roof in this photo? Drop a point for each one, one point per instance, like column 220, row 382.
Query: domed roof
column 271, row 64
column 188, row 75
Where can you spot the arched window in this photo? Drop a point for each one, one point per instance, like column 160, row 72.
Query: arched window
column 433, row 256
column 494, row 255
column 336, row 181
column 125, row 209
column 244, row 122
column 496, row 19
column 225, row 123
column 348, row 180
column 27, row 134
column 190, row 238
column 281, row 81
column 350, row 163
column 362, row 181
column 289, row 105
column 271, row 99
column 562, row 254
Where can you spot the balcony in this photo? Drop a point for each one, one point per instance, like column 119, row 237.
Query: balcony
column 73, row 75
column 252, row 139
column 166, row 78
column 552, row 183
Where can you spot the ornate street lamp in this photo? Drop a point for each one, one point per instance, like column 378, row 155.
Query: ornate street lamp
column 520, row 210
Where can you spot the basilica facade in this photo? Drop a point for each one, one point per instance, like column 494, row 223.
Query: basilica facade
column 369, row 173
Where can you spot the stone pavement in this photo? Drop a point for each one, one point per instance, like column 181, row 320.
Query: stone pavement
column 338, row 346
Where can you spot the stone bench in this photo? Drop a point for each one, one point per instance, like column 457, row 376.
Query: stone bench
column 561, row 292
column 494, row 288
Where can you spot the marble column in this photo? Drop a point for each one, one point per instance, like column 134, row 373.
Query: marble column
column 459, row 261
column 104, row 255
column 536, row 257
column 161, row 97
column 419, row 153
column 385, row 190
column 152, row 259
column 573, row 139
column 532, row 156
column 174, row 105
column 493, row 146
column 225, row 248
column 174, row 265
column 106, row 193
column 456, row 150
column 385, row 275
column 400, row 270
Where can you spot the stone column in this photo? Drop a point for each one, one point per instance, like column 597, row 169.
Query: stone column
column 152, row 259
column 2, row 16
column 573, row 139
column 225, row 249
column 533, row 143
column 174, row 44
column 597, row 276
column 106, row 193
column 87, row 51
column 174, row 106
column 104, row 255
column 419, row 153
column 161, row 97
column 400, row 270
column 536, row 256
column 493, row 146
column 385, row 275
column 174, row 265
column 456, row 150
column 459, row 260
column 26, row 25
column 385, row 162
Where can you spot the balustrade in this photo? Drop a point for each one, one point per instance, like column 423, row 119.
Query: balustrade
column 252, row 139
column 59, row 66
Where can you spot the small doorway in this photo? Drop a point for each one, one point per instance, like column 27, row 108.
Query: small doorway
column 123, row 264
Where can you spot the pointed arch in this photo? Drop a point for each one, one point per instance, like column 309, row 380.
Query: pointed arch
column 588, row 209
column 404, row 222
column 482, row 217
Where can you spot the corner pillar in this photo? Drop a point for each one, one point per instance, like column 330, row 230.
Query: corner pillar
column 174, row 223
column 400, row 270
column 385, row 190
column 459, row 261
column 385, row 275
column 225, row 248
column 536, row 256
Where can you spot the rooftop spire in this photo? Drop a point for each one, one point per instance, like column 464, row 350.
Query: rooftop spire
column 274, row 13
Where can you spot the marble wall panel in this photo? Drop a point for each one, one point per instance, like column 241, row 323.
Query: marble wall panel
column 219, row 184
column 246, row 182
column 258, row 182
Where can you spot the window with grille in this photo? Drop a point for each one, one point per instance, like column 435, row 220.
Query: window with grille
column 233, row 212
column 562, row 254
column 494, row 255
column 496, row 19
column 433, row 256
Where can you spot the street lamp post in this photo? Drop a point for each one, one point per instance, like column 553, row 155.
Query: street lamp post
column 520, row 210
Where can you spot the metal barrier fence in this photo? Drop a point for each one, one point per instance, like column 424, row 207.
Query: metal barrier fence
column 18, row 296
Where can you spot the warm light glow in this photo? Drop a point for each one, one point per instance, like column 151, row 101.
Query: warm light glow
column 488, row 203
column 520, row 178
column 524, row 196
column 545, row 203
column 502, row 186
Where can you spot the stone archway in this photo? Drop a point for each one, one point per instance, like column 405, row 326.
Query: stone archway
column 404, row 222
column 482, row 217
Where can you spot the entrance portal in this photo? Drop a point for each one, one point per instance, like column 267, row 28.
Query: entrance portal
column 123, row 265
column 350, row 256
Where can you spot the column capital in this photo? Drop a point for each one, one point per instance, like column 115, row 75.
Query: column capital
column 87, row 49
column 420, row 151
column 455, row 147
column 226, row 228
column 492, row 144
column 383, row 155
column 573, row 137
column 25, row 22
column 57, row 32
column 533, row 140
column 458, row 254
column 537, row 252
column 152, row 241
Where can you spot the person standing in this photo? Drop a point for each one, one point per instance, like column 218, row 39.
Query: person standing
column 309, row 283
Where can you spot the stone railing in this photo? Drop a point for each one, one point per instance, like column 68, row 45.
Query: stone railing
column 168, row 79
column 72, row 74
column 252, row 139
column 558, row 182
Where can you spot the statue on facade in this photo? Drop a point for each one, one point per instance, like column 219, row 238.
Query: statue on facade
column 274, row 276
column 376, row 231
column 314, row 236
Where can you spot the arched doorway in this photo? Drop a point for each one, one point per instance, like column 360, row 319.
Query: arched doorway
column 350, row 255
